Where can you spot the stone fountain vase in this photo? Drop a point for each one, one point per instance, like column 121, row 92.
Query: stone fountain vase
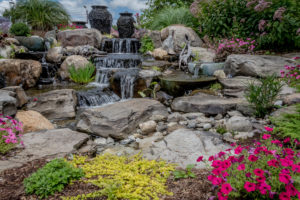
column 125, row 25
column 101, row 19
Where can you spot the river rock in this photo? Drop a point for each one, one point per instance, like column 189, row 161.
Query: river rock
column 79, row 37
column 292, row 99
column 159, row 54
column 119, row 119
column 33, row 43
column 20, row 72
column 156, row 38
column 148, row 127
column 33, row 121
column 8, row 103
column 238, row 123
column 55, row 55
column 6, row 51
column 184, row 146
column 21, row 96
column 203, row 54
column 204, row 103
column 76, row 61
column 46, row 144
column 56, row 104
column 285, row 110
column 180, row 33
column 255, row 65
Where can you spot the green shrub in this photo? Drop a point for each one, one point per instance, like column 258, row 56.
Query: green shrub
column 288, row 125
column 19, row 29
column 82, row 75
column 187, row 173
column 170, row 16
column 53, row 177
column 262, row 96
column 274, row 24
column 39, row 14
column 147, row 44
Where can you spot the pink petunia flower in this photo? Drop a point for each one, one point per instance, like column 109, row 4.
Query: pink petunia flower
column 241, row 167
column 250, row 187
column 284, row 178
column 259, row 172
column 226, row 188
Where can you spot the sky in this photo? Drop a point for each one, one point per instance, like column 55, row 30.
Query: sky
column 77, row 12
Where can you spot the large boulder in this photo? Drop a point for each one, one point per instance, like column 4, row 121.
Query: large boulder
column 204, row 103
column 255, row 65
column 203, row 54
column 46, row 144
column 180, row 33
column 184, row 146
column 56, row 104
column 33, row 43
column 79, row 37
column 33, row 121
column 8, row 103
column 20, row 72
column 119, row 119
column 55, row 55
column 76, row 61
column 156, row 38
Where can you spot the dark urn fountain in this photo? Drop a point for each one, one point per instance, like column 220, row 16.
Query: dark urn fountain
column 125, row 25
column 100, row 19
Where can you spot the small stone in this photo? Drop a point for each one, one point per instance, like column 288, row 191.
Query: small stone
column 161, row 127
column 173, row 126
column 234, row 113
column 220, row 74
column 183, row 123
column 207, row 127
column 240, row 124
column 148, row 127
column 192, row 116
column 243, row 135
column 203, row 120
column 192, row 124
column 278, row 103
column 158, row 118
column 100, row 141
column 110, row 140
column 127, row 141
column 227, row 135
column 219, row 117
column 176, row 117
column 292, row 99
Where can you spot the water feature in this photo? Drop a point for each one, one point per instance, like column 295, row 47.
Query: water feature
column 96, row 97
column 48, row 71
column 121, row 45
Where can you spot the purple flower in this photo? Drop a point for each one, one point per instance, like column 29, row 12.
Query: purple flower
column 262, row 24
column 278, row 13
column 262, row 5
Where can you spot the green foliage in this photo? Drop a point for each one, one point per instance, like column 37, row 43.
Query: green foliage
column 169, row 16
column 82, row 75
column 216, row 87
column 19, row 29
column 262, row 96
column 221, row 130
column 187, row 173
column 39, row 14
column 150, row 91
column 147, row 44
column 122, row 177
column 233, row 18
column 288, row 125
column 156, row 6
column 53, row 177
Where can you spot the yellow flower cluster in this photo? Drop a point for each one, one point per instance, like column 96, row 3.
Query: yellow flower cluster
column 132, row 178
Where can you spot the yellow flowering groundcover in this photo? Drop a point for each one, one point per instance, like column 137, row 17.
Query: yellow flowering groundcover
column 133, row 178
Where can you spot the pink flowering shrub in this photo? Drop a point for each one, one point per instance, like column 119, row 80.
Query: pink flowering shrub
column 234, row 46
column 63, row 27
column 292, row 74
column 10, row 133
column 268, row 170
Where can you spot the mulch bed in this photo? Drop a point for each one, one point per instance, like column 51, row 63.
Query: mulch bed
column 11, row 185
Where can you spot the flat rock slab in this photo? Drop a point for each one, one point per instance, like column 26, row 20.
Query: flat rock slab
column 184, row 146
column 255, row 65
column 207, row 104
column 46, row 144
column 238, row 82
column 119, row 119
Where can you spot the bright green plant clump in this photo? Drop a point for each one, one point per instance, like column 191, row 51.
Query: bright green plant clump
column 216, row 87
column 82, row 75
column 124, row 177
column 53, row 177
column 39, row 14
column 273, row 23
column 19, row 29
column 170, row 16
column 288, row 125
column 262, row 96
column 179, row 174
column 221, row 129
column 147, row 44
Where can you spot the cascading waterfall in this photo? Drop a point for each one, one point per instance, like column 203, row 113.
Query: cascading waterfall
column 96, row 97
column 48, row 71
column 127, row 86
column 121, row 45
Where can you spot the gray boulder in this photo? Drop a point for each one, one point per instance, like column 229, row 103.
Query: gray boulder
column 184, row 146
column 33, row 43
column 255, row 65
column 119, row 119
column 56, row 104
column 8, row 103
column 238, row 123
column 204, row 103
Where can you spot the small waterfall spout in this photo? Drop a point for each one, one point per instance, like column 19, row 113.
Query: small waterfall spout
column 127, row 86
column 96, row 97
column 121, row 45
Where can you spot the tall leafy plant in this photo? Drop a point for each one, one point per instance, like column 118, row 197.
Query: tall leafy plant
column 82, row 75
column 262, row 96
column 147, row 44
column 39, row 14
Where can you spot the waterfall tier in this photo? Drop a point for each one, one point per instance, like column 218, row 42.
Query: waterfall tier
column 118, row 45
